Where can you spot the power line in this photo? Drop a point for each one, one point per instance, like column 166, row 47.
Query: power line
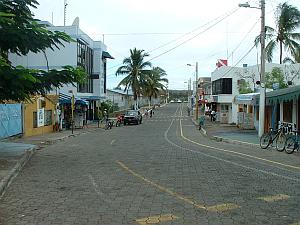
column 189, row 39
column 128, row 34
column 239, row 44
column 190, row 32
column 233, row 67
column 220, row 18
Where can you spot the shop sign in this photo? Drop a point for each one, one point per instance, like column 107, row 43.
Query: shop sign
column 40, row 117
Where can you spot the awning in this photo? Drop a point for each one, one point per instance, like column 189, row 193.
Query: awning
column 106, row 55
column 282, row 95
column 92, row 98
column 246, row 99
column 66, row 99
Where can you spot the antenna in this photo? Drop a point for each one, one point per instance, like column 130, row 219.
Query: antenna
column 65, row 11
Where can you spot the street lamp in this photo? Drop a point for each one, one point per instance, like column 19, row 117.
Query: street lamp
column 196, row 89
column 262, row 98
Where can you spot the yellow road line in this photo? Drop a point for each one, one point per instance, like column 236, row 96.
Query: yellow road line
column 297, row 223
column 273, row 198
column 172, row 193
column 217, row 208
column 222, row 207
column 156, row 219
column 236, row 153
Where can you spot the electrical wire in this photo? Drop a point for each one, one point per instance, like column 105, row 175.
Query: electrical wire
column 233, row 67
column 190, row 32
column 189, row 39
column 243, row 39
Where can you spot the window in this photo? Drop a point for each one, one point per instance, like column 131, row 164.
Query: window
column 34, row 119
column 85, row 57
column 48, row 118
column 222, row 86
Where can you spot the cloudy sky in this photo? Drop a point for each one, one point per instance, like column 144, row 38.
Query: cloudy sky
column 175, row 33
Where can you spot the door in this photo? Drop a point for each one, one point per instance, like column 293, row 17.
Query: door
column 268, row 118
column 10, row 120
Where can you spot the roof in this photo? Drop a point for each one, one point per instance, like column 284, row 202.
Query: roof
column 121, row 92
column 106, row 55
column 286, row 94
column 93, row 97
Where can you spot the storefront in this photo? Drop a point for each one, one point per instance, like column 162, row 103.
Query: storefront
column 65, row 111
column 245, row 103
column 284, row 104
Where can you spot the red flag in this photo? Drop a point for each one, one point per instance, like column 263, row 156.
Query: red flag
column 221, row 62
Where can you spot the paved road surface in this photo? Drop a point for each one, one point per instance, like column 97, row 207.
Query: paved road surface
column 160, row 172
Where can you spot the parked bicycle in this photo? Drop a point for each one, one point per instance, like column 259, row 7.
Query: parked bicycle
column 292, row 143
column 277, row 135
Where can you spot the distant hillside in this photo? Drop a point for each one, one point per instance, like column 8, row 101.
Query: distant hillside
column 178, row 94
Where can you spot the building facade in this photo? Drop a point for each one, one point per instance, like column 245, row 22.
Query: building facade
column 84, row 52
column 227, row 81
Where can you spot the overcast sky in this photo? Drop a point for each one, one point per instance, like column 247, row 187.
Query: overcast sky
column 175, row 33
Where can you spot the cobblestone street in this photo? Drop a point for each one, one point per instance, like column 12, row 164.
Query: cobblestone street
column 160, row 172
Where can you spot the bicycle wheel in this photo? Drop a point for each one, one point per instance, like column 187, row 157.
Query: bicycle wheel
column 290, row 145
column 265, row 140
column 280, row 142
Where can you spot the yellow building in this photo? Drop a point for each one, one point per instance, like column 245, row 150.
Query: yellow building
column 39, row 115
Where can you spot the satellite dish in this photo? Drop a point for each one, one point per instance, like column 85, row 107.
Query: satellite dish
column 76, row 22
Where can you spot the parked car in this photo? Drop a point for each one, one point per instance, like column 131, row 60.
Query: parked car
column 133, row 116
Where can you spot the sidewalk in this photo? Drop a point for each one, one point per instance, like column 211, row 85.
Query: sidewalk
column 16, row 152
column 229, row 133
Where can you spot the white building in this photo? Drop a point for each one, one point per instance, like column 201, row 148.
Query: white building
column 85, row 52
column 123, row 99
column 226, row 82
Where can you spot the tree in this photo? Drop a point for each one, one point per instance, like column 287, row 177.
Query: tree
column 287, row 19
column 244, row 88
column 20, row 34
column 137, row 71
column 155, row 83
column 247, row 75
column 295, row 57
column 276, row 76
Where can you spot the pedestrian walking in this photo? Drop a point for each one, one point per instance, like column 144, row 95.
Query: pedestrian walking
column 212, row 116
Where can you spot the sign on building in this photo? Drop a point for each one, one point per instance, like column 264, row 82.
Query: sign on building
column 40, row 117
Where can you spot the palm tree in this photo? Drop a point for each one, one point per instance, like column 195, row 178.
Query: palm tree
column 136, row 70
column 287, row 21
column 155, row 83
column 295, row 59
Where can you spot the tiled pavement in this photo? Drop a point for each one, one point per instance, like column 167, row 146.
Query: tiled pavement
column 160, row 172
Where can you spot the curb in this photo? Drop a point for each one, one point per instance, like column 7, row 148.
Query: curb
column 228, row 140
column 6, row 181
column 222, row 139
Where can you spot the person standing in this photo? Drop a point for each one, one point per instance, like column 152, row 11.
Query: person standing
column 212, row 115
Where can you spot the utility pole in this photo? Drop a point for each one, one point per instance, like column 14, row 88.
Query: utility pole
column 197, row 96
column 65, row 11
column 262, row 99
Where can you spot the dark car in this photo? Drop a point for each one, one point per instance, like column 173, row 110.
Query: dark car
column 133, row 116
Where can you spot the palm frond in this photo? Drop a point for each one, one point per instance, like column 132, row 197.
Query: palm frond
column 271, row 46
